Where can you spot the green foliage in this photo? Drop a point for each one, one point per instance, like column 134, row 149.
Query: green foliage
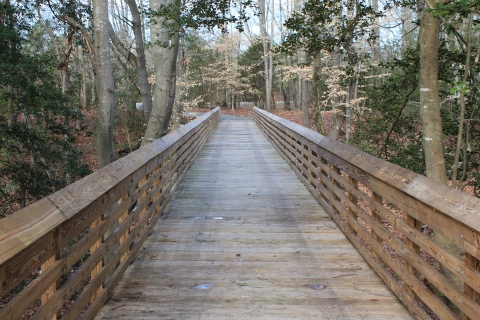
column 253, row 65
column 392, row 129
column 322, row 25
column 209, row 14
column 37, row 151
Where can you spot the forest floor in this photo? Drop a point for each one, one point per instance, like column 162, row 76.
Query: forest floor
column 292, row 115
column 129, row 140
column 125, row 141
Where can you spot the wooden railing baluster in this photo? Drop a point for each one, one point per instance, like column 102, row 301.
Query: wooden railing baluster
column 127, row 232
column 353, row 199
column 325, row 174
column 99, row 266
column 335, row 183
column 51, row 290
column 404, row 264
column 473, row 263
column 378, row 199
column 414, row 223
column 98, row 212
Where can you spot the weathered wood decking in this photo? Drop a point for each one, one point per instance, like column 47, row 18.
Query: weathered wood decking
column 243, row 238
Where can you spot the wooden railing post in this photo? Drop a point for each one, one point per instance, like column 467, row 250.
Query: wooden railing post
column 51, row 290
column 325, row 174
column 97, row 213
column 412, row 245
column 474, row 263
column 141, row 199
column 378, row 199
column 420, row 200
column 99, row 266
column 335, row 183
column 156, row 183
column 127, row 232
column 353, row 199
column 302, row 154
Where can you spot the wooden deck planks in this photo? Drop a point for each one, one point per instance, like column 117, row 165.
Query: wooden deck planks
column 242, row 222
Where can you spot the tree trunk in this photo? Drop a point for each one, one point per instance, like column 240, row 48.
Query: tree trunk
column 428, row 39
column 270, row 57
column 304, row 91
column 348, row 112
column 164, row 58
column 141, row 60
column 316, row 95
column 178, row 105
column 376, row 31
column 338, row 108
column 173, row 87
column 263, row 31
column 83, row 97
column 462, row 105
column 105, row 83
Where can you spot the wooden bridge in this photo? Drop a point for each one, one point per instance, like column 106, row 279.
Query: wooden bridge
column 341, row 236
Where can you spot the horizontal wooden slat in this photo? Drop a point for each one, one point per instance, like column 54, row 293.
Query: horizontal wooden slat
column 48, row 225
column 240, row 202
column 454, row 214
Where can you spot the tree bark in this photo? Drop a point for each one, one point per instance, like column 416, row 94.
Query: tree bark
column 270, row 56
column 178, row 104
column 462, row 105
column 120, row 47
column 338, row 108
column 303, row 92
column 173, row 87
column 316, row 94
column 165, row 47
column 86, row 37
column 105, row 83
column 142, row 74
column 376, row 31
column 428, row 39
column 263, row 32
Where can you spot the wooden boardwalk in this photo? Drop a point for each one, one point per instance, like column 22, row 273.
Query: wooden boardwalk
column 243, row 238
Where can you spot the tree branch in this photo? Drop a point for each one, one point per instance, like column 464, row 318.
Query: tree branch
column 402, row 107
column 86, row 37
column 443, row 20
column 127, row 54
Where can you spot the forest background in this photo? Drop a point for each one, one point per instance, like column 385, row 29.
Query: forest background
column 397, row 79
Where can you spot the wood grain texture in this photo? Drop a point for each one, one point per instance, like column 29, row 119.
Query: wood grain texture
column 242, row 221
column 92, row 208
column 344, row 221
column 328, row 168
column 19, row 231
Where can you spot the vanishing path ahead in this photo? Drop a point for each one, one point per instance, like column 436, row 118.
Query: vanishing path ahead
column 243, row 238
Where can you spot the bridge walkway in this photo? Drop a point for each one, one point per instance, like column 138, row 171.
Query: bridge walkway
column 243, row 239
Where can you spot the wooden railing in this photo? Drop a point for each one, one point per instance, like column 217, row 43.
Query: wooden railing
column 84, row 236
column 387, row 212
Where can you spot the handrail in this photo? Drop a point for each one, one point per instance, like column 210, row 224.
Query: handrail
column 100, row 221
column 370, row 198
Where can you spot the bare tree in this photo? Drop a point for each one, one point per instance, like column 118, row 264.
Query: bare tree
column 164, row 34
column 141, row 60
column 263, row 31
column 429, row 41
column 105, row 83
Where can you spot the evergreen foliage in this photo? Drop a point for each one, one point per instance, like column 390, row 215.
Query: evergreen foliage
column 37, row 149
